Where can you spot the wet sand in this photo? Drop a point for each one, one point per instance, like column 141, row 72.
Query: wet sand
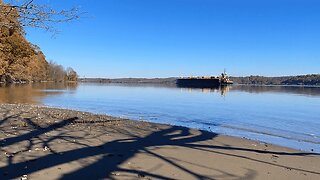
column 46, row 143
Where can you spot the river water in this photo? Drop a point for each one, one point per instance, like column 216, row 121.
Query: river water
column 287, row 116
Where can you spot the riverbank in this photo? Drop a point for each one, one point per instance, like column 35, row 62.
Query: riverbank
column 47, row 143
column 312, row 80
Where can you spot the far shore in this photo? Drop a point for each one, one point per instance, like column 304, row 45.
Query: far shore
column 170, row 81
column 48, row 143
column 309, row 80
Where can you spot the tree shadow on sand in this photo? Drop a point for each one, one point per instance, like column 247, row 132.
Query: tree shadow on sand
column 114, row 153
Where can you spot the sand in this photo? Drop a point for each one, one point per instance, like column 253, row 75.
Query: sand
column 46, row 143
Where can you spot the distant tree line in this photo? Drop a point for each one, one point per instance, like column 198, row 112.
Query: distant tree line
column 310, row 79
column 171, row 80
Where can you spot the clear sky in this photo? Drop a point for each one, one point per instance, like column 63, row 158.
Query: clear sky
column 165, row 38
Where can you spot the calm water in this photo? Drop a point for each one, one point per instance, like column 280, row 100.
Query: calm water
column 288, row 116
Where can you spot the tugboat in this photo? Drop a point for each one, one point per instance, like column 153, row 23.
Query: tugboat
column 224, row 79
column 204, row 81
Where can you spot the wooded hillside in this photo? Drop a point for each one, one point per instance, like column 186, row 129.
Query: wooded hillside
column 21, row 61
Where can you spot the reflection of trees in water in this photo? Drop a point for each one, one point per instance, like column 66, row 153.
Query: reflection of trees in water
column 311, row 91
column 32, row 93
column 57, row 86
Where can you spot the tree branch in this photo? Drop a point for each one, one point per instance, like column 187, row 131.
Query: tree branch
column 32, row 14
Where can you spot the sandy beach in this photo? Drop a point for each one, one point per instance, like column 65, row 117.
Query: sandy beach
column 47, row 143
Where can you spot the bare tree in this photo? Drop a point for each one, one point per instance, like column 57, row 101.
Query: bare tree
column 56, row 72
column 31, row 13
column 71, row 74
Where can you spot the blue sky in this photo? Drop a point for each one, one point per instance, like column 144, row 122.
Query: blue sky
column 165, row 38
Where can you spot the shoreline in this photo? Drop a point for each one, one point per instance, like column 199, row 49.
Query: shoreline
column 76, row 143
column 209, row 130
column 199, row 129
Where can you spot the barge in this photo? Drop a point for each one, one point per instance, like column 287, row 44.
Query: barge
column 204, row 81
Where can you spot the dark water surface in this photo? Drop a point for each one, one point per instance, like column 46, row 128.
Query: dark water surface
column 288, row 116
